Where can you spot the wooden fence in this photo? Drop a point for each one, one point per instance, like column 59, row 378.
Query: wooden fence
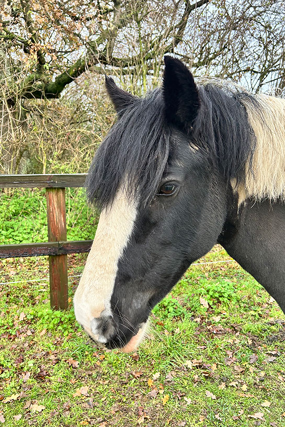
column 57, row 246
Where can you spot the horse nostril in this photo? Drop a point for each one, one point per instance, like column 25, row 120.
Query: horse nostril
column 103, row 327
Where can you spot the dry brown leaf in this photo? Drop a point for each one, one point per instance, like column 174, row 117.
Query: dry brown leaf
column 188, row 364
column 37, row 408
column 266, row 404
column 137, row 374
column 204, row 302
column 83, row 391
column 2, row 419
column 153, row 393
column 17, row 417
column 10, row 398
column 73, row 363
column 22, row 316
column 26, row 376
column 253, row 358
column 156, row 376
column 257, row 416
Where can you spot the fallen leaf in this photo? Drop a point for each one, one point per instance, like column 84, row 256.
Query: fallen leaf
column 22, row 316
column 217, row 318
column 244, row 387
column 73, row 363
column 83, row 391
column 27, row 404
column 188, row 401
column 2, row 419
column 233, row 384
column 156, row 376
column 153, row 393
column 211, row 395
column 43, row 332
column 17, row 417
column 135, row 356
column 266, row 404
column 137, row 374
column 169, row 377
column 270, row 359
column 222, row 386
column 150, row 382
column 204, row 302
column 239, row 369
column 10, row 398
column 257, row 416
column 165, row 399
column 253, row 358
column 26, row 376
column 37, row 408
column 188, row 364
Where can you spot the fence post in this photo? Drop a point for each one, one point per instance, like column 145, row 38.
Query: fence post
column 57, row 232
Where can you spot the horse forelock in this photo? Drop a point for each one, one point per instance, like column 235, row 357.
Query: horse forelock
column 134, row 154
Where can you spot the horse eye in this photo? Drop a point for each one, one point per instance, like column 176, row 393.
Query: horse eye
column 167, row 189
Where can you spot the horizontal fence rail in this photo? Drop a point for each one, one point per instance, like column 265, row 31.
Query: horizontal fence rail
column 43, row 181
column 45, row 249
column 57, row 248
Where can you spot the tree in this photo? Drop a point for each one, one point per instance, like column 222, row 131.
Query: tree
column 53, row 52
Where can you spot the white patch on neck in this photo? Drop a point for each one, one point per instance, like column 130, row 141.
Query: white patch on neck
column 268, row 163
column 93, row 295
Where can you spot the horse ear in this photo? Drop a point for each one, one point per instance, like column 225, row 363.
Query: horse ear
column 181, row 96
column 119, row 97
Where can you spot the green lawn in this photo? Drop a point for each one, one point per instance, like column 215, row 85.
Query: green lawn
column 214, row 355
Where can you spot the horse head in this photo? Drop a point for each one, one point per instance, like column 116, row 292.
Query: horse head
column 163, row 202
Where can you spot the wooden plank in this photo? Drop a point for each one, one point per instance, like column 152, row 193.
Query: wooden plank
column 43, row 181
column 56, row 232
column 45, row 249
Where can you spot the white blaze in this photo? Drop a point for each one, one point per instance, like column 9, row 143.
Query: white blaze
column 93, row 295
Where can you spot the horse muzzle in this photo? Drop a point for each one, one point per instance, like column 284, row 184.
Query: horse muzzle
column 117, row 335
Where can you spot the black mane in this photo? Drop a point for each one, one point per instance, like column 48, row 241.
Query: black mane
column 134, row 153
column 136, row 150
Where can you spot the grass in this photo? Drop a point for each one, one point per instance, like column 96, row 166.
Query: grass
column 214, row 355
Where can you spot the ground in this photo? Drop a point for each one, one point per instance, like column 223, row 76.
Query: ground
column 214, row 355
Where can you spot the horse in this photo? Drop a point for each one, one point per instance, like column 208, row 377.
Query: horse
column 189, row 165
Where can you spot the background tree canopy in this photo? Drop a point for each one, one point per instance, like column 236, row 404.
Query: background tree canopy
column 54, row 110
